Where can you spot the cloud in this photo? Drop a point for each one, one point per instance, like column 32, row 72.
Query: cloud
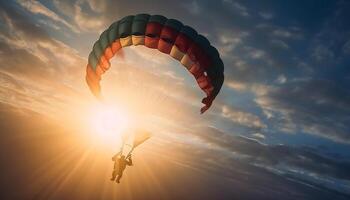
column 303, row 164
column 313, row 106
column 229, row 41
column 236, row 85
column 36, row 7
column 7, row 81
column 237, row 7
column 193, row 8
column 98, row 5
column 197, row 166
column 86, row 21
column 279, row 43
column 257, row 53
column 39, row 64
column 266, row 15
column 321, row 53
column 259, row 136
column 346, row 47
column 258, row 59
column 242, row 118
column 23, row 34
column 276, row 32
column 281, row 79
column 88, row 15
column 282, row 33
column 328, row 46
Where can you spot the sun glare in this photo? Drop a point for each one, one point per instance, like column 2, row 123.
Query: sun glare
column 108, row 122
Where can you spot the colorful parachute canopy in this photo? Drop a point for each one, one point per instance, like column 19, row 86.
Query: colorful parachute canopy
column 169, row 36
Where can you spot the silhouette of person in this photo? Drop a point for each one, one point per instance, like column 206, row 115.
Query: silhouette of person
column 120, row 163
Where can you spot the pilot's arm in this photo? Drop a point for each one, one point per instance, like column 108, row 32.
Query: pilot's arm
column 116, row 155
column 129, row 161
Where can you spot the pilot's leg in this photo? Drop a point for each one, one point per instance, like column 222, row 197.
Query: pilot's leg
column 114, row 175
column 119, row 177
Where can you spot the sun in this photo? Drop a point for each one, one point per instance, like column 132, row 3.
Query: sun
column 108, row 122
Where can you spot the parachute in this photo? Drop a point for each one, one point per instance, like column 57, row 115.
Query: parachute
column 132, row 139
column 169, row 36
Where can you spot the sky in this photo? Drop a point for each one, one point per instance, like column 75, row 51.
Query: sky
column 279, row 128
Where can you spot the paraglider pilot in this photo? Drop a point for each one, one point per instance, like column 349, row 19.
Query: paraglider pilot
column 120, row 163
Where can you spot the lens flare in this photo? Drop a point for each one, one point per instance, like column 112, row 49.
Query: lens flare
column 108, row 122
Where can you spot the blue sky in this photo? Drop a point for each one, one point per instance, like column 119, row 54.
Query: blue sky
column 287, row 76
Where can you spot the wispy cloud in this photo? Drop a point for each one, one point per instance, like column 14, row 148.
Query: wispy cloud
column 36, row 7
column 279, row 43
column 32, row 54
column 229, row 40
column 193, row 7
column 89, row 15
column 259, row 136
column 266, row 15
column 281, row 79
column 242, row 118
column 302, row 163
column 237, row 7
column 317, row 107
column 321, row 53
